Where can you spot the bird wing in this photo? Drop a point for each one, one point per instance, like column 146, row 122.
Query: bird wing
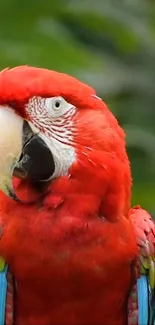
column 141, row 303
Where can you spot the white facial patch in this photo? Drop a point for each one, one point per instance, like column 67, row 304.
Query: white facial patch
column 63, row 154
column 52, row 118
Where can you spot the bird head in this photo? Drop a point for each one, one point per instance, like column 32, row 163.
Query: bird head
column 53, row 126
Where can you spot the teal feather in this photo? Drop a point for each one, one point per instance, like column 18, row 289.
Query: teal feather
column 3, row 293
column 143, row 300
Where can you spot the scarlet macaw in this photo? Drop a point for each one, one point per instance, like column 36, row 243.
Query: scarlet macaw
column 78, row 253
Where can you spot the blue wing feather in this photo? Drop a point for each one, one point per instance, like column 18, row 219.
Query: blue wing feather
column 3, row 293
column 143, row 299
column 141, row 305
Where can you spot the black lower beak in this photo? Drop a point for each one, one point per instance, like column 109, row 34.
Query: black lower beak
column 36, row 162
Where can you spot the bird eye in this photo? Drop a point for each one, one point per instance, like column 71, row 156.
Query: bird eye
column 56, row 105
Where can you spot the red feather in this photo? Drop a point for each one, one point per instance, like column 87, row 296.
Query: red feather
column 72, row 250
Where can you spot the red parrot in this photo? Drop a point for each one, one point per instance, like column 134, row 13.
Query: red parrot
column 78, row 254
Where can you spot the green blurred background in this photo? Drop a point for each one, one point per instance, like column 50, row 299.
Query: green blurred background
column 109, row 44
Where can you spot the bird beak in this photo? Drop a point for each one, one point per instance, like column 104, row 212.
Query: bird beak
column 10, row 147
column 22, row 152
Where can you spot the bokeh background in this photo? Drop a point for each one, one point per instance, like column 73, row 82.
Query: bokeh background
column 110, row 44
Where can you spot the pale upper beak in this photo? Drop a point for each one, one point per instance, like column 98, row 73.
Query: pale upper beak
column 21, row 152
column 10, row 147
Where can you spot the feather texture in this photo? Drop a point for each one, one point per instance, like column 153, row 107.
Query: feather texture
column 3, row 293
column 10, row 302
column 143, row 293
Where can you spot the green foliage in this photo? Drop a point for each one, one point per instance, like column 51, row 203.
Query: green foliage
column 110, row 45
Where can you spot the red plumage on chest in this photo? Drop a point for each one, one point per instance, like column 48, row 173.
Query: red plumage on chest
column 68, row 269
